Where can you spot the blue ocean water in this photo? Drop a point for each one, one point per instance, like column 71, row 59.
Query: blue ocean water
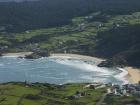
column 56, row 71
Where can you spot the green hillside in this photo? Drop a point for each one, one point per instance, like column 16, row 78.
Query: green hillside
column 108, row 29
column 21, row 16
column 97, row 34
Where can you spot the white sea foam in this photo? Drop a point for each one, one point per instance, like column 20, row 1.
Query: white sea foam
column 84, row 66
column 122, row 75
column 89, row 67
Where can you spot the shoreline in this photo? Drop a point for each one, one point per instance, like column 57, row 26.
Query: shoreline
column 17, row 54
column 123, row 75
column 134, row 74
column 76, row 57
column 57, row 55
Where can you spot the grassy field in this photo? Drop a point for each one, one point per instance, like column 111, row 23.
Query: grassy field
column 117, row 100
column 49, row 94
column 81, row 32
column 46, row 94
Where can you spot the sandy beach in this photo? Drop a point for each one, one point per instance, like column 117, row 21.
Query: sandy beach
column 133, row 77
column 77, row 57
column 134, row 74
column 20, row 54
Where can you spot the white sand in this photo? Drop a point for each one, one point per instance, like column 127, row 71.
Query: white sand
column 20, row 54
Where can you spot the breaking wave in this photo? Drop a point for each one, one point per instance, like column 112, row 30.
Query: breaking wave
column 83, row 66
column 119, row 73
column 122, row 75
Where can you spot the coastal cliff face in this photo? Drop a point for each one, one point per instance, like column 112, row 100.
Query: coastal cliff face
column 108, row 29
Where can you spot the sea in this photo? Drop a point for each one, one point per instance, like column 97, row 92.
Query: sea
column 58, row 71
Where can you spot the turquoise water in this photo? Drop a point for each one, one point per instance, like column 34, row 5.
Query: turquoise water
column 56, row 71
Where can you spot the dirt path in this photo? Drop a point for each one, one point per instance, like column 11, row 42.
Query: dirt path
column 101, row 100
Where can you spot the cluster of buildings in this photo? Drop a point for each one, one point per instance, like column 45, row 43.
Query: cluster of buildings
column 118, row 90
column 93, row 86
column 77, row 94
column 124, row 90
